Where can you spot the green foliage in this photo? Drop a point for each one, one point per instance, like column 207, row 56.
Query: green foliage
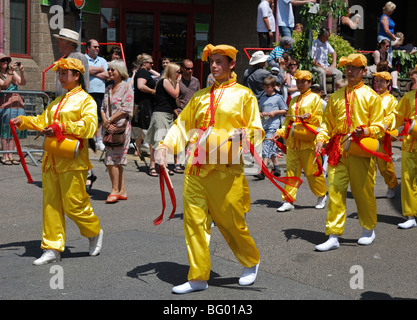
column 406, row 60
column 313, row 22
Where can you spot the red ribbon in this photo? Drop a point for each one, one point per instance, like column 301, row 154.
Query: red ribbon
column 319, row 165
column 19, row 152
column 291, row 181
column 163, row 176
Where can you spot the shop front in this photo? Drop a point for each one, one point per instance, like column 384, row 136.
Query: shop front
column 176, row 29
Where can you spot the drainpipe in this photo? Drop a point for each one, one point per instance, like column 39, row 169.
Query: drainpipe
column 2, row 26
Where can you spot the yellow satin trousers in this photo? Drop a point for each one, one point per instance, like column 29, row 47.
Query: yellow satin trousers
column 298, row 160
column 387, row 170
column 409, row 183
column 65, row 194
column 360, row 172
column 222, row 197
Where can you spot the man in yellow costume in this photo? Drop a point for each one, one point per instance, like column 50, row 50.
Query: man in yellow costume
column 72, row 115
column 389, row 102
column 354, row 110
column 216, row 189
column 405, row 113
column 305, row 109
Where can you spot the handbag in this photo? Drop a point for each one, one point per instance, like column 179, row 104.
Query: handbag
column 118, row 137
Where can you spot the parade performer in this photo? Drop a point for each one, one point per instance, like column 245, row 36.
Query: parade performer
column 72, row 115
column 305, row 109
column 215, row 190
column 356, row 112
column 405, row 114
column 389, row 102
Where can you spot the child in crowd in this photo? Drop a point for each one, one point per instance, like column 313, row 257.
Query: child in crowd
column 272, row 107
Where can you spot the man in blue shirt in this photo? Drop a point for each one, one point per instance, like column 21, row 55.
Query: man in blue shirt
column 97, row 67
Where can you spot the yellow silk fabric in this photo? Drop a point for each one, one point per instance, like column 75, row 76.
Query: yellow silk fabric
column 409, row 183
column 387, row 170
column 307, row 102
column 404, row 110
column 237, row 108
column 354, row 59
column 77, row 116
column 65, row 194
column 69, row 64
column 360, row 173
column 366, row 109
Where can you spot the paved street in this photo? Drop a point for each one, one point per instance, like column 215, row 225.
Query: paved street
column 140, row 261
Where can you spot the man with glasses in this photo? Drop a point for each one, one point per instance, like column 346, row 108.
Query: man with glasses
column 97, row 68
column 355, row 110
column 188, row 85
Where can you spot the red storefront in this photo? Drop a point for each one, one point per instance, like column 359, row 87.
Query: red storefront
column 177, row 29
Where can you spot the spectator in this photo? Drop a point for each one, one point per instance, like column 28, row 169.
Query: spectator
column 284, row 45
column 11, row 105
column 210, row 80
column 144, row 92
column 116, row 112
column 347, row 27
column 68, row 42
column 320, row 50
column 412, row 74
column 115, row 53
column 188, row 84
column 272, row 107
column 97, row 68
column 164, row 63
column 290, row 82
column 254, row 76
column 382, row 54
column 167, row 91
column 265, row 24
column 285, row 15
column 387, row 25
column 298, row 27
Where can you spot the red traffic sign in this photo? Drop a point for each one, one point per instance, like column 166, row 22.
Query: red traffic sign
column 79, row 4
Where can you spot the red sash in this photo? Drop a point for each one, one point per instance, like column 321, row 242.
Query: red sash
column 19, row 152
column 163, row 176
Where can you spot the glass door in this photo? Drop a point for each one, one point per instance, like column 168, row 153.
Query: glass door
column 139, row 35
column 173, row 38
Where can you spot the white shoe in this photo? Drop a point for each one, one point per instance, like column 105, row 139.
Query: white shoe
column 248, row 276
column 410, row 223
column 286, row 206
column 368, row 236
column 331, row 244
column 190, row 286
column 96, row 243
column 321, row 202
column 390, row 193
column 48, row 256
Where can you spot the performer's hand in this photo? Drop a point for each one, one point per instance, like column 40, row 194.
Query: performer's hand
column 319, row 146
column 305, row 116
column 48, row 131
column 17, row 121
column 161, row 156
column 237, row 135
column 275, row 137
column 361, row 132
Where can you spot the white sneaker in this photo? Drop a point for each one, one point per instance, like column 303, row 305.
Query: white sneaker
column 410, row 223
column 190, row 286
column 330, row 244
column 321, row 202
column 286, row 206
column 248, row 276
column 390, row 193
column 368, row 236
column 48, row 256
column 96, row 243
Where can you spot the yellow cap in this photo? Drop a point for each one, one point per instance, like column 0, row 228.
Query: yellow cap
column 384, row 75
column 354, row 59
column 222, row 49
column 302, row 75
column 70, row 64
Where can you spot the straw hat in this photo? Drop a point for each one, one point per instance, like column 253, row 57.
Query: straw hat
column 69, row 35
column 258, row 57
column 3, row 56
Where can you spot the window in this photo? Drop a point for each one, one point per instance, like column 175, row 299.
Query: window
column 19, row 23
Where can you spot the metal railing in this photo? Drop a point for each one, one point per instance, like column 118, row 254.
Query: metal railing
column 34, row 104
